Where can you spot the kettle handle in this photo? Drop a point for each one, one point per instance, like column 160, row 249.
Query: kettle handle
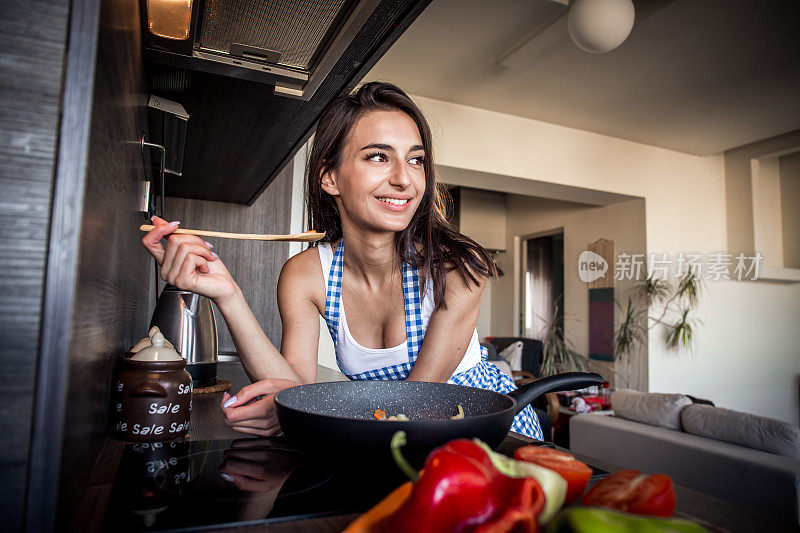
column 149, row 388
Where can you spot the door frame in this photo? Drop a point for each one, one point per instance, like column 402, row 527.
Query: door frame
column 520, row 264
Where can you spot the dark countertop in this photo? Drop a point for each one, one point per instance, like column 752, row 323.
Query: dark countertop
column 208, row 424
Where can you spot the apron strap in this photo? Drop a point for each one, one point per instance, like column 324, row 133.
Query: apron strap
column 334, row 295
column 413, row 317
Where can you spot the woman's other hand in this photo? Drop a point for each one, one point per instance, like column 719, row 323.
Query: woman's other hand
column 252, row 409
column 187, row 262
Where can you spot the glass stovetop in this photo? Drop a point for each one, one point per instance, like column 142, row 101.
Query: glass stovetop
column 184, row 485
column 187, row 485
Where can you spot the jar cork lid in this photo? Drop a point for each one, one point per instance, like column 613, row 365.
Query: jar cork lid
column 159, row 350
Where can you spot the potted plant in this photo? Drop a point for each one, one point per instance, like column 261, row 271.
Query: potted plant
column 676, row 316
column 558, row 353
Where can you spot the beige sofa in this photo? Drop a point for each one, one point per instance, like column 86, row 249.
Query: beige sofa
column 749, row 460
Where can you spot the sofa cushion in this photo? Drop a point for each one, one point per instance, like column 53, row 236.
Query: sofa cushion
column 745, row 429
column 653, row 408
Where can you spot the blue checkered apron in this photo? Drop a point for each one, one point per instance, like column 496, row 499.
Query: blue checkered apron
column 484, row 375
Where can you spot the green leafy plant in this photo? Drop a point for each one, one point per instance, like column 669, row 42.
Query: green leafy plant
column 558, row 353
column 648, row 296
column 681, row 333
column 632, row 331
column 653, row 291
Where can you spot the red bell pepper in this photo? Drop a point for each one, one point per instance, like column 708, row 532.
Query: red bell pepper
column 466, row 487
column 460, row 489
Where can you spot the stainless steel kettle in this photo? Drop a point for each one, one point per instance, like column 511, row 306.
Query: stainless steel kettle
column 187, row 320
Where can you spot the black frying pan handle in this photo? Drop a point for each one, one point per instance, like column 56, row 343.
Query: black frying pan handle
column 558, row 382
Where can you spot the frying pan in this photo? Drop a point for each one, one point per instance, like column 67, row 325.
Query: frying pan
column 336, row 419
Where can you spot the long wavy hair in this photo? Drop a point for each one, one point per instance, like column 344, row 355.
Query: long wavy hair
column 428, row 243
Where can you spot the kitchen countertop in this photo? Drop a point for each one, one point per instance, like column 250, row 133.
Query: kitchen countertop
column 208, row 424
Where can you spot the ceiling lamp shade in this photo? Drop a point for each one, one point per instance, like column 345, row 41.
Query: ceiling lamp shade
column 170, row 19
column 599, row 26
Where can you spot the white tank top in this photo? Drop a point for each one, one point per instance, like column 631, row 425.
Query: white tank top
column 355, row 359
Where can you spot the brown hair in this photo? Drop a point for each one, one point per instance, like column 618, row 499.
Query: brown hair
column 429, row 243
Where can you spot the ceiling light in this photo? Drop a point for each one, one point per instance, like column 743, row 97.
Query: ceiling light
column 599, row 26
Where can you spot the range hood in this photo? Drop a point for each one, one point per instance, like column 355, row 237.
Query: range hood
column 289, row 44
column 254, row 75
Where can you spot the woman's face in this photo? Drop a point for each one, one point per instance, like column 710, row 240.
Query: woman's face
column 380, row 181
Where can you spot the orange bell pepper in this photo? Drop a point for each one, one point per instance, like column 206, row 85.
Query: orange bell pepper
column 375, row 520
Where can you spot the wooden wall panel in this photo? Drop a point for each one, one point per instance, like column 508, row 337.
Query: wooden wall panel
column 255, row 265
column 110, row 302
column 32, row 44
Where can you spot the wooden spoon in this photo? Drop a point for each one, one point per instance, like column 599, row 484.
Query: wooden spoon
column 308, row 236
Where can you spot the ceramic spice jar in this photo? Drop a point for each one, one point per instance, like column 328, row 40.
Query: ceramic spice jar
column 153, row 395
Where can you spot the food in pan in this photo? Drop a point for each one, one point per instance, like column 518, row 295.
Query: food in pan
column 380, row 414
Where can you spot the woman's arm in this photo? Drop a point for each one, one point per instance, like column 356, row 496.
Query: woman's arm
column 259, row 356
column 188, row 263
column 449, row 331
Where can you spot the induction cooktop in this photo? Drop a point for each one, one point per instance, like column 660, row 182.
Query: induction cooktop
column 183, row 485
column 192, row 485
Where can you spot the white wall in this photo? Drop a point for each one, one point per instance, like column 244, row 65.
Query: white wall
column 581, row 224
column 747, row 355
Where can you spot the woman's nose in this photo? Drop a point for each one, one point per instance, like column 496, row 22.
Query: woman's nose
column 400, row 176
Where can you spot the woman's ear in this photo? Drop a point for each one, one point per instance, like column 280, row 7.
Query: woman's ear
column 328, row 182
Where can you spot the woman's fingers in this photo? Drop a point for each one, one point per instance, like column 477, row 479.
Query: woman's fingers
column 152, row 240
column 186, row 278
column 259, row 388
column 261, row 409
column 177, row 248
column 185, row 261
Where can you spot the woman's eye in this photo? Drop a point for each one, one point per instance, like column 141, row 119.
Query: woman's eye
column 377, row 156
column 417, row 160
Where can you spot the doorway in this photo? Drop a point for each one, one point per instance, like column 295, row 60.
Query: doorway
column 542, row 283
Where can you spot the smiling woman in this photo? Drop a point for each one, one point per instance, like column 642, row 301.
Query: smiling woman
column 411, row 284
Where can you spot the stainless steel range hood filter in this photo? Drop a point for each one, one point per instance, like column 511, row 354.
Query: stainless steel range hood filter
column 296, row 29
column 290, row 44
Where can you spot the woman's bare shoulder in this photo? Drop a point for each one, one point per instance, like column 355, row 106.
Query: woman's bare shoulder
column 302, row 276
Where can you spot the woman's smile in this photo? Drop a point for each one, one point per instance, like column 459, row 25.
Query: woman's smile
column 394, row 204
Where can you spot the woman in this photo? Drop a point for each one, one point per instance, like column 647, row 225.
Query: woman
column 411, row 285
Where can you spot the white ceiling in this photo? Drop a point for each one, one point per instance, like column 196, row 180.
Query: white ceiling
column 697, row 76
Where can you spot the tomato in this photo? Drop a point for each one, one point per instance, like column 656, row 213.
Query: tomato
column 575, row 472
column 634, row 492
